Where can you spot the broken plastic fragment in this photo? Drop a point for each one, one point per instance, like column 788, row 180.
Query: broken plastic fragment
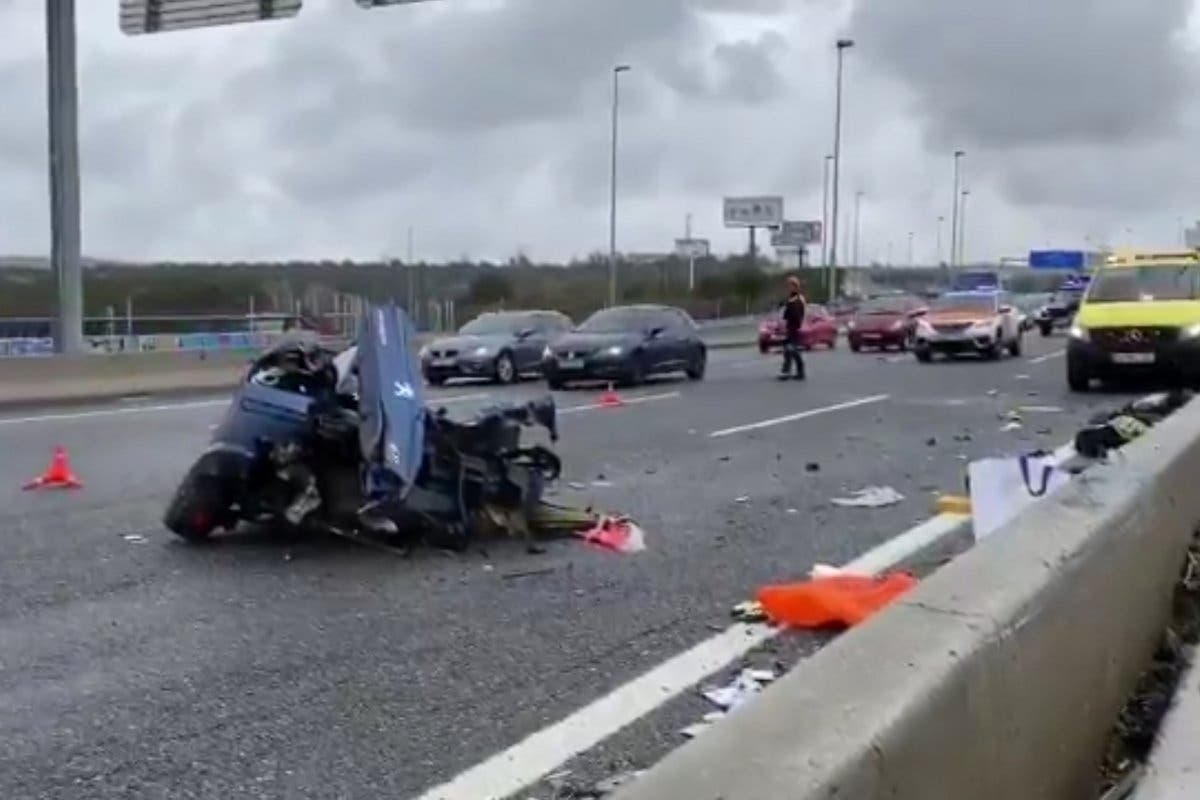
column 618, row 535
column 871, row 497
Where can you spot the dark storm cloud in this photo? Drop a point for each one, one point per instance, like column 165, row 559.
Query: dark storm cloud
column 1022, row 72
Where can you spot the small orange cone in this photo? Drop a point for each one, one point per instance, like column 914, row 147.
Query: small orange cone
column 58, row 475
column 610, row 399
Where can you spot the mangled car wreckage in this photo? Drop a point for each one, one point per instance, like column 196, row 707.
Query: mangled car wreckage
column 344, row 442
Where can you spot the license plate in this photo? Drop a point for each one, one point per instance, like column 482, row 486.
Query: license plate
column 571, row 363
column 445, row 362
column 871, row 336
column 1133, row 358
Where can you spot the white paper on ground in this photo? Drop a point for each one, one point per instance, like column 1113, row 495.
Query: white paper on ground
column 1001, row 488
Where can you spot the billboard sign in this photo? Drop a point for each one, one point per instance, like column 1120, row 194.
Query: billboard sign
column 797, row 234
column 158, row 16
column 1058, row 259
column 753, row 212
column 692, row 248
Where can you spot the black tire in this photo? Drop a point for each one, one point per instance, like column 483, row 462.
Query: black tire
column 506, row 370
column 1015, row 347
column 555, row 384
column 1046, row 330
column 855, row 346
column 924, row 355
column 439, row 381
column 1078, row 377
column 635, row 375
column 698, row 367
column 197, row 509
column 903, row 346
column 833, row 343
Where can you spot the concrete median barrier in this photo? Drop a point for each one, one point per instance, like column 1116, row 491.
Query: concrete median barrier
column 999, row 677
column 30, row 382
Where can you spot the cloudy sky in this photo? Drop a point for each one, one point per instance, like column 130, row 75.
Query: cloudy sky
column 484, row 124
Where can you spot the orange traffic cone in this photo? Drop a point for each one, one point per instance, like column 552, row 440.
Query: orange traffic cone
column 58, row 475
column 610, row 399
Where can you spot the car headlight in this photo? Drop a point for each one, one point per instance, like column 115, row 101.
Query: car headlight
column 898, row 325
column 482, row 350
column 981, row 329
column 925, row 328
column 1191, row 331
column 547, row 354
column 1079, row 332
column 423, row 352
column 615, row 350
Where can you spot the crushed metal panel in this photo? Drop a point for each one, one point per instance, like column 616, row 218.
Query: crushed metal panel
column 159, row 16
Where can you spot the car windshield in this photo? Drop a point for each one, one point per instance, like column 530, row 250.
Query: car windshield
column 884, row 305
column 1136, row 284
column 622, row 320
column 983, row 303
column 493, row 324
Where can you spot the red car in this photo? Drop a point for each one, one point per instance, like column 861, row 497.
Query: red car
column 884, row 322
column 819, row 328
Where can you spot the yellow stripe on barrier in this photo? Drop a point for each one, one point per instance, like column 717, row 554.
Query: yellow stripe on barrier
column 953, row 504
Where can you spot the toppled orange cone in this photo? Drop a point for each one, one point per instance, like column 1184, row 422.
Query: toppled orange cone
column 58, row 475
column 610, row 399
column 835, row 601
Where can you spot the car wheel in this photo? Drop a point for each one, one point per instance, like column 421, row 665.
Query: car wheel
column 833, row 343
column 1046, row 330
column 903, row 345
column 1014, row 347
column 699, row 365
column 855, row 346
column 435, row 380
column 1078, row 377
column 506, row 370
column 555, row 384
column 636, row 374
column 924, row 355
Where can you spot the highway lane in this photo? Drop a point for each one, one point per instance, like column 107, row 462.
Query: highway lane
column 317, row 668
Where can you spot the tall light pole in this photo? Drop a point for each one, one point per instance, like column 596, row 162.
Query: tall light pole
column 62, row 101
column 962, row 224
column 825, row 212
column 858, row 196
column 842, row 46
column 911, row 257
column 612, row 210
column 958, row 154
column 940, row 221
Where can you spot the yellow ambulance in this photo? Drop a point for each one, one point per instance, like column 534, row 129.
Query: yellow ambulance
column 1140, row 316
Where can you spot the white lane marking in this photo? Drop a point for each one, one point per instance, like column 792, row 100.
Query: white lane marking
column 812, row 412
column 508, row 772
column 625, row 401
column 1047, row 357
column 126, row 410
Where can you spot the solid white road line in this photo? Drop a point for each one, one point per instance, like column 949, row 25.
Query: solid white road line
column 625, row 401
column 126, row 410
column 524, row 763
column 1047, row 357
column 812, row 412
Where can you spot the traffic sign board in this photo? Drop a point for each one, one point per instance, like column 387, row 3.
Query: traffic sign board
column 155, row 16
column 753, row 212
column 797, row 234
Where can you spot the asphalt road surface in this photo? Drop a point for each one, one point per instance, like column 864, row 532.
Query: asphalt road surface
column 133, row 665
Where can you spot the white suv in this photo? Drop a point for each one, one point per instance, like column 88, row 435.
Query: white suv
column 976, row 323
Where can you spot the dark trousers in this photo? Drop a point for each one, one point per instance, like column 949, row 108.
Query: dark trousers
column 792, row 353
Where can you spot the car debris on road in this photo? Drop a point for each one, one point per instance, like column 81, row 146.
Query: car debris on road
column 870, row 497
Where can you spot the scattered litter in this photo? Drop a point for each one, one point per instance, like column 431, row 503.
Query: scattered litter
column 1012, row 416
column 600, row 476
column 749, row 611
column 963, row 437
column 616, row 534
column 651, row 471
column 1012, row 426
column 931, row 441
column 737, row 692
column 837, row 601
column 812, row 466
column 793, row 511
column 1042, row 409
column 135, row 538
column 528, row 573
column 610, row 785
column 1021, row 377
column 724, row 458
column 761, row 675
column 602, row 484
column 1031, row 394
column 743, row 499
column 488, row 568
column 871, row 497
column 1045, row 431
column 993, row 392
column 577, row 485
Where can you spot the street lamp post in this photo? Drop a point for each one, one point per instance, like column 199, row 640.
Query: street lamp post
column 962, row 224
column 940, row 221
column 825, row 212
column 612, row 210
column 858, row 196
column 842, row 46
column 958, row 154
column 911, row 256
